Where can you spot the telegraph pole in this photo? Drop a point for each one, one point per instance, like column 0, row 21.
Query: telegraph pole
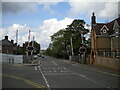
column 72, row 46
column 17, row 36
column 16, row 42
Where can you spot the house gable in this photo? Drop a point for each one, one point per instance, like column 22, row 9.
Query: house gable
column 116, row 27
column 104, row 29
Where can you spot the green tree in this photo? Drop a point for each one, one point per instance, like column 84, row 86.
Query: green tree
column 61, row 43
column 36, row 47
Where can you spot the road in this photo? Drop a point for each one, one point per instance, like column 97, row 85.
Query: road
column 55, row 73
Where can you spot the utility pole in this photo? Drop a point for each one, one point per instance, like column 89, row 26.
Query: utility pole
column 16, row 42
column 71, row 46
column 17, row 36
column 28, row 42
column 32, row 46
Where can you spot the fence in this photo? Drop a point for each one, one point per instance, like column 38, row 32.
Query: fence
column 12, row 58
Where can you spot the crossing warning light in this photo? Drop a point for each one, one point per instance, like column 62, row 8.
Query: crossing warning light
column 82, row 49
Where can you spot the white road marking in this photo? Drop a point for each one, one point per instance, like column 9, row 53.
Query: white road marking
column 39, row 62
column 33, row 61
column 84, row 76
column 49, row 71
column 54, row 63
column 35, row 68
column 54, row 71
column 49, row 68
column 44, row 78
column 59, row 74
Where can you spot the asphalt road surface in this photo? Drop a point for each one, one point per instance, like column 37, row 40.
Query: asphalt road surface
column 53, row 73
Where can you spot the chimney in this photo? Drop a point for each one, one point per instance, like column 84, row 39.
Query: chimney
column 12, row 41
column 6, row 37
column 93, row 18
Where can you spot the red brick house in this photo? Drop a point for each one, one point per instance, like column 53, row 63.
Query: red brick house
column 8, row 47
column 105, row 38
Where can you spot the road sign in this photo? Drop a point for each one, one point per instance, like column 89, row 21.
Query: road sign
column 82, row 49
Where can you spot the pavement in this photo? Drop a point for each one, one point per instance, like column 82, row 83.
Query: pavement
column 52, row 73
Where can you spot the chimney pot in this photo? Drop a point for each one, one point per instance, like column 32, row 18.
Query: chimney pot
column 6, row 37
column 12, row 41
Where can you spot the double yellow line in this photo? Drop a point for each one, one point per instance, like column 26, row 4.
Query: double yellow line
column 26, row 81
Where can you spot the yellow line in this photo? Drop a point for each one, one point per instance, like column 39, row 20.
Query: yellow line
column 17, row 65
column 117, row 75
column 25, row 80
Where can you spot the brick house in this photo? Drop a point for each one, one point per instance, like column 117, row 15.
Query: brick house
column 8, row 47
column 105, row 38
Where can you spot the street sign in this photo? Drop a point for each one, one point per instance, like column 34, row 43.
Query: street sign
column 82, row 49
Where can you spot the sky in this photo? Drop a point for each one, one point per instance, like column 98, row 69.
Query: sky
column 44, row 18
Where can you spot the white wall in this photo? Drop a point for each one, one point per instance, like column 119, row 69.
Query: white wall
column 12, row 58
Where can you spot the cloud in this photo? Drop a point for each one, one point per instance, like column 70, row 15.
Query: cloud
column 17, row 7
column 42, row 33
column 102, row 9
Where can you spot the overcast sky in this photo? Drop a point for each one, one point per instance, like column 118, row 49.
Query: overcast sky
column 44, row 18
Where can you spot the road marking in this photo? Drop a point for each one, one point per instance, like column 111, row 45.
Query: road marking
column 117, row 75
column 39, row 62
column 25, row 80
column 54, row 63
column 84, row 76
column 35, row 67
column 44, row 78
column 49, row 71
column 54, row 71
column 17, row 65
column 33, row 62
column 59, row 74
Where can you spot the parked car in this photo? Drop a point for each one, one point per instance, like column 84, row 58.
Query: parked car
column 35, row 56
column 42, row 56
column 39, row 55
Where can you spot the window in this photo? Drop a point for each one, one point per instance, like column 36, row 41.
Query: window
column 104, row 31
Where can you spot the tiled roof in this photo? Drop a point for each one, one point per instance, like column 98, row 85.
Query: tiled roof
column 5, row 42
column 97, row 27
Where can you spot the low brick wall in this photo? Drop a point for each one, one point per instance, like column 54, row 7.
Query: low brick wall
column 111, row 63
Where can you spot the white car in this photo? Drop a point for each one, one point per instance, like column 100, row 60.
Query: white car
column 35, row 56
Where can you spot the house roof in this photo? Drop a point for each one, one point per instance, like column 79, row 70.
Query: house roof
column 5, row 42
column 98, row 26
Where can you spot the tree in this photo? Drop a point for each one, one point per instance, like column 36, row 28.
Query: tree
column 61, row 44
column 36, row 47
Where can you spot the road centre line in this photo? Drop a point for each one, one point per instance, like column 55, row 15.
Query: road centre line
column 117, row 75
column 25, row 80
column 44, row 78
column 84, row 76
